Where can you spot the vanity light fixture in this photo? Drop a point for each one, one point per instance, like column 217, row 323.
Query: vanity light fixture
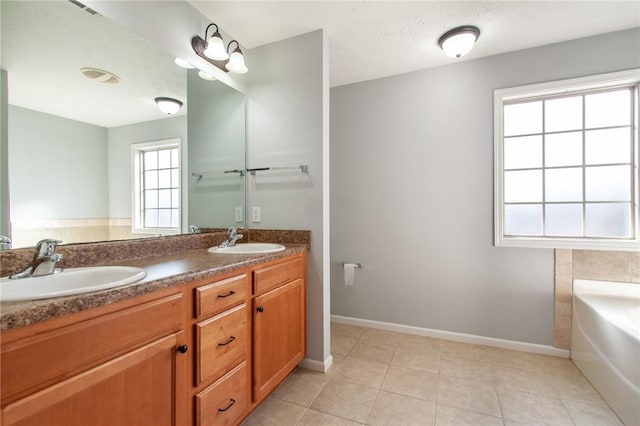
column 236, row 60
column 212, row 50
column 459, row 41
column 206, row 76
column 168, row 105
column 183, row 64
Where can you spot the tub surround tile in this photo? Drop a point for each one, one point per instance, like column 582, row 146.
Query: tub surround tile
column 564, row 289
column 602, row 265
column 635, row 267
column 563, row 255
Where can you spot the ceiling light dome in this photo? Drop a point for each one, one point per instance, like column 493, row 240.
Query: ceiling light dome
column 168, row 105
column 459, row 41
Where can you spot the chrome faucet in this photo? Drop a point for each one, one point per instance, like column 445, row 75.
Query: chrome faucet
column 43, row 262
column 232, row 237
column 5, row 243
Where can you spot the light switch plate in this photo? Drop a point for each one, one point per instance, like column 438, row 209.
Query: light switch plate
column 255, row 215
column 239, row 214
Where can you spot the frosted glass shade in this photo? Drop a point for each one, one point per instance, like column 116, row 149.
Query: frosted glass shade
column 215, row 48
column 459, row 41
column 168, row 105
column 236, row 63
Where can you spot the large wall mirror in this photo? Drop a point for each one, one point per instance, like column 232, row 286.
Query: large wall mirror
column 71, row 133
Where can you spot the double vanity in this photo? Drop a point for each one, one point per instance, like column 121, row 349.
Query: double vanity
column 202, row 339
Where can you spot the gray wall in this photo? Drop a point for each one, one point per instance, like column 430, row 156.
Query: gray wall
column 4, row 155
column 57, row 167
column 412, row 194
column 216, row 126
column 119, row 156
column 285, row 125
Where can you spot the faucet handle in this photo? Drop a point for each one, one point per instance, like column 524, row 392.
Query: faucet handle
column 46, row 247
column 231, row 232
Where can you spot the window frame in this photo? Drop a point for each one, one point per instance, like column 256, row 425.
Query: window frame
column 553, row 89
column 137, row 149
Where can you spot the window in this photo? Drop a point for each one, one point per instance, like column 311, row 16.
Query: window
column 156, row 197
column 566, row 163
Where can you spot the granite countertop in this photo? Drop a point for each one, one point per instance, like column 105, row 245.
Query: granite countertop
column 162, row 272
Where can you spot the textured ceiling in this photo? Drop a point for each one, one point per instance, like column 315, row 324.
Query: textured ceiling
column 46, row 43
column 373, row 39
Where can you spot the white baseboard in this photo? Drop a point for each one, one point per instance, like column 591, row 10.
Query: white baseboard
column 315, row 365
column 456, row 337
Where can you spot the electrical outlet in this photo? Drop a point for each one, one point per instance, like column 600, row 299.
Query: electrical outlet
column 239, row 215
column 255, row 215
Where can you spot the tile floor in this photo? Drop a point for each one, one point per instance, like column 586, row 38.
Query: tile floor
column 386, row 378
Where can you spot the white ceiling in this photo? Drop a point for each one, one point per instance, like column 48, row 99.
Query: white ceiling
column 373, row 39
column 46, row 43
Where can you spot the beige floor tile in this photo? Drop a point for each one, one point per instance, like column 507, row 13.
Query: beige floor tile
column 466, row 350
column 316, row 418
column 449, row 416
column 346, row 330
column 576, row 388
column 393, row 410
column 413, row 341
column 415, row 383
column 361, row 372
column 418, row 358
column 383, row 337
column 534, row 409
column 469, row 395
column 301, row 387
column 371, row 350
column 342, row 345
column 276, row 413
column 512, row 379
column 590, row 414
column 466, row 368
column 347, row 400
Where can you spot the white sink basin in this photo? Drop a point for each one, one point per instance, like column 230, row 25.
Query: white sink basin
column 68, row 282
column 248, row 248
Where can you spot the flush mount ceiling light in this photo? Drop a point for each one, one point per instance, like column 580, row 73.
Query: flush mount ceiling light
column 213, row 51
column 206, row 76
column 168, row 105
column 183, row 64
column 459, row 41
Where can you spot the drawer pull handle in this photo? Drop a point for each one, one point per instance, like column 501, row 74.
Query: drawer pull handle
column 231, row 402
column 231, row 293
column 183, row 349
column 231, row 339
column 260, row 309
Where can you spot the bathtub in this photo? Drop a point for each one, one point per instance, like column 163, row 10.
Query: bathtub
column 605, row 342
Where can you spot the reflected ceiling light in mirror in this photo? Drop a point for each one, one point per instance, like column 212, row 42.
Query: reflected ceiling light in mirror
column 168, row 105
column 236, row 60
column 459, row 41
column 213, row 51
column 183, row 64
column 206, row 76
column 215, row 45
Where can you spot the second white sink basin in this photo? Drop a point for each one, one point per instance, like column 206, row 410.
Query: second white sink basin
column 68, row 282
column 249, row 248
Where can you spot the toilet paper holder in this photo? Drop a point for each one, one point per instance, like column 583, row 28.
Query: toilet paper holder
column 357, row 265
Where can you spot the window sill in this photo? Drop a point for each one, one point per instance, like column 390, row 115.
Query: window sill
column 582, row 244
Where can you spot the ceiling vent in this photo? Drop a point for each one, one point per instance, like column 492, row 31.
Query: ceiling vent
column 101, row 76
column 83, row 7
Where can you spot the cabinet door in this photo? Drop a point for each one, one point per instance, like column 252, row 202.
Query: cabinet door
column 279, row 338
column 134, row 389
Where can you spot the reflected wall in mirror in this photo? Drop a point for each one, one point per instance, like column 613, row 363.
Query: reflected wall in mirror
column 70, row 137
column 216, row 126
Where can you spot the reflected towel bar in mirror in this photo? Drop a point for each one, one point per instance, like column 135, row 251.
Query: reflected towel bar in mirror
column 200, row 175
column 302, row 167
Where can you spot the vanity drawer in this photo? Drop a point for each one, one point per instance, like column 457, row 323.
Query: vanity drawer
column 38, row 361
column 216, row 297
column 221, row 343
column 226, row 401
column 265, row 279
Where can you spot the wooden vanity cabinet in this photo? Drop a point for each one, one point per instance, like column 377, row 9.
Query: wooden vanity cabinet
column 115, row 368
column 279, row 323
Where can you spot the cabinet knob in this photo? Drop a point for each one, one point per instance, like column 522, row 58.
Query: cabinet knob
column 183, row 349
column 260, row 309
